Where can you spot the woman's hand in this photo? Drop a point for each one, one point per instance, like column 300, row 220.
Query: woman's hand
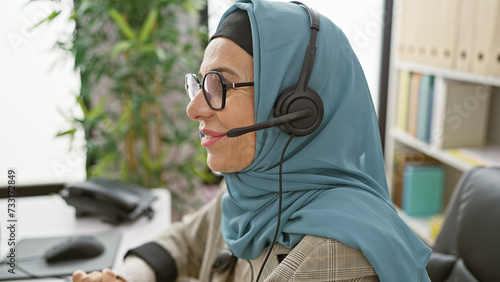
column 107, row 275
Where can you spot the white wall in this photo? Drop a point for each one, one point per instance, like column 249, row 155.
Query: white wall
column 361, row 21
column 35, row 83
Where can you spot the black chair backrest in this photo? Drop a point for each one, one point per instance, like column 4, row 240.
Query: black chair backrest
column 468, row 246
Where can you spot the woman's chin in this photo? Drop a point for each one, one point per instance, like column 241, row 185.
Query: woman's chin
column 225, row 165
column 214, row 166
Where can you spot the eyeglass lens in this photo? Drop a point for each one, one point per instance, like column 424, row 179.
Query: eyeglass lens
column 212, row 87
column 192, row 86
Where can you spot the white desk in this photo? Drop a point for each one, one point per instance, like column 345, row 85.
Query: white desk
column 49, row 216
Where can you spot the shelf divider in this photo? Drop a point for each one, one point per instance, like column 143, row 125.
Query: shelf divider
column 449, row 74
column 444, row 156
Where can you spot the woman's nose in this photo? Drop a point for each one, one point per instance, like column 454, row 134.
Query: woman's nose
column 198, row 108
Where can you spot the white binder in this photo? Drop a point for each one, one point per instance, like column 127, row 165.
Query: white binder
column 467, row 28
column 485, row 36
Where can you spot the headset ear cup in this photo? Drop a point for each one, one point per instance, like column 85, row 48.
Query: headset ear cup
column 290, row 101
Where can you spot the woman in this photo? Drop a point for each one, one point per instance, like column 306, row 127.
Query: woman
column 337, row 221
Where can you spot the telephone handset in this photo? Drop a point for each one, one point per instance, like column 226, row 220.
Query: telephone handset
column 112, row 200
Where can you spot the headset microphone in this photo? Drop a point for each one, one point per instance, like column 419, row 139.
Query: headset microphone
column 288, row 118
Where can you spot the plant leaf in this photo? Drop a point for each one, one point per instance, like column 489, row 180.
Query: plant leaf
column 122, row 23
column 47, row 19
column 67, row 132
column 82, row 106
column 98, row 110
column 160, row 53
column 119, row 48
column 148, row 25
column 146, row 159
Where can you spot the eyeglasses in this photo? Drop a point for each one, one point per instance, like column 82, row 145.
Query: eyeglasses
column 214, row 88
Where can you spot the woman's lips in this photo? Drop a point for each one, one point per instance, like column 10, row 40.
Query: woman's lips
column 211, row 137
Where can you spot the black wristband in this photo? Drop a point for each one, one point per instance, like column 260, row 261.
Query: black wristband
column 159, row 259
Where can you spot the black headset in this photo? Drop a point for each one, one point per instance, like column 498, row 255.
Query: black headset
column 301, row 98
column 299, row 109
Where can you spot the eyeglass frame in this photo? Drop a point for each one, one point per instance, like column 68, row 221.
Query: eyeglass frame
column 224, row 84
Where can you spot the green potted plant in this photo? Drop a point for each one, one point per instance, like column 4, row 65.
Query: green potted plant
column 132, row 57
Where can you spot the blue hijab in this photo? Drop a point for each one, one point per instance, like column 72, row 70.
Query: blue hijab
column 334, row 181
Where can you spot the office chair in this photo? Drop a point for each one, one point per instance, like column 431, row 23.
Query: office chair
column 468, row 246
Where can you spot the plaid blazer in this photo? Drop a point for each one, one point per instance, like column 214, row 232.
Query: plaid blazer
column 195, row 242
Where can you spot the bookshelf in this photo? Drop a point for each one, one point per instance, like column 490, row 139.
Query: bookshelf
column 444, row 156
column 444, row 73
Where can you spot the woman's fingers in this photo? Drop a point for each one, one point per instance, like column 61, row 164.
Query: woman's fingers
column 78, row 275
column 107, row 275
